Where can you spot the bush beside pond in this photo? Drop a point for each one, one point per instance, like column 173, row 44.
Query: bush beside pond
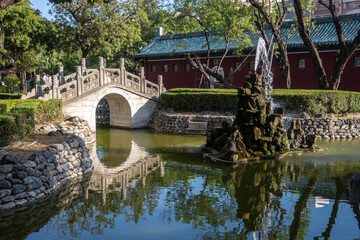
column 310, row 101
column 18, row 117
column 200, row 99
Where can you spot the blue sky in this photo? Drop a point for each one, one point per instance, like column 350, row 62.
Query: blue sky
column 43, row 6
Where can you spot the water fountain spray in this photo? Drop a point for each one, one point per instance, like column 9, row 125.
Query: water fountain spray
column 266, row 75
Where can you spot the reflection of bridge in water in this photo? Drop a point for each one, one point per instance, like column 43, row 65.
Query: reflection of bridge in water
column 138, row 164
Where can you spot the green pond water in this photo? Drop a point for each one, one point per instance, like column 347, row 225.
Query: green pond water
column 152, row 186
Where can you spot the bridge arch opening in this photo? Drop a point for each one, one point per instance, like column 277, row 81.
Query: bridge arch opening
column 118, row 109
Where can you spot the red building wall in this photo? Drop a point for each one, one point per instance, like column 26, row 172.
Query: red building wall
column 302, row 78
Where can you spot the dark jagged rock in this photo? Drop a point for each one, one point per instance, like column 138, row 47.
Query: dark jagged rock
column 298, row 139
column 256, row 130
column 9, row 159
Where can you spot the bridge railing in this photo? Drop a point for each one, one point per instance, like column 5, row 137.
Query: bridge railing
column 85, row 80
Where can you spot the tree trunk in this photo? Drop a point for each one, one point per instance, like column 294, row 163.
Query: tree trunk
column 314, row 54
column 284, row 63
column 299, row 207
column 7, row 3
column 338, row 71
column 345, row 54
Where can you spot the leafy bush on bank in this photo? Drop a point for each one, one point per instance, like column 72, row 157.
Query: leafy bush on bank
column 11, row 81
column 310, row 101
column 199, row 100
column 44, row 111
column 318, row 101
column 18, row 117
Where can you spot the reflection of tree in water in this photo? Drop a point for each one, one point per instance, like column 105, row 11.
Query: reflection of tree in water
column 221, row 202
column 257, row 187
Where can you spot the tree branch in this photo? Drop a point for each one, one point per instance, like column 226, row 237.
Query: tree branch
column 6, row 3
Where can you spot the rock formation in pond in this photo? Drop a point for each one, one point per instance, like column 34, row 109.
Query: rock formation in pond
column 256, row 131
column 297, row 138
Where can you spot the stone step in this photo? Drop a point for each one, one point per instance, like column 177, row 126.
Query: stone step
column 196, row 128
column 197, row 125
column 191, row 131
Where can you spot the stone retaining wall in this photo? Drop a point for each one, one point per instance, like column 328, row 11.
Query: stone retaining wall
column 327, row 127
column 23, row 182
column 330, row 128
column 73, row 125
column 176, row 123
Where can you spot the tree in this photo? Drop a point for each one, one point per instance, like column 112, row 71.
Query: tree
column 19, row 26
column 100, row 26
column 228, row 20
column 274, row 18
column 6, row 3
column 346, row 49
column 11, row 81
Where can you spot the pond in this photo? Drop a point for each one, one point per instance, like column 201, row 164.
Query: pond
column 152, row 186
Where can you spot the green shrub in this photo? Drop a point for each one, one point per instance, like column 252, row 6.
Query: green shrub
column 3, row 89
column 18, row 117
column 22, row 103
column 318, row 101
column 44, row 111
column 2, row 109
column 32, row 82
column 11, row 82
column 310, row 101
column 16, row 125
column 200, row 100
column 49, row 111
column 7, row 129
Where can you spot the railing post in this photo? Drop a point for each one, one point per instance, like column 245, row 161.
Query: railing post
column 55, row 87
column 38, row 90
column 142, row 79
column 61, row 75
column 78, row 80
column 123, row 79
column 83, row 66
column 160, row 83
column 101, row 71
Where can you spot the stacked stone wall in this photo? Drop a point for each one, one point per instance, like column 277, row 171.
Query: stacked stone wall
column 73, row 125
column 23, row 182
column 331, row 128
column 324, row 127
column 176, row 123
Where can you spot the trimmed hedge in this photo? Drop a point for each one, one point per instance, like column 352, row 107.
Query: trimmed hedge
column 310, row 101
column 18, row 117
column 200, row 99
column 16, row 125
column 9, row 96
column 318, row 101
column 44, row 111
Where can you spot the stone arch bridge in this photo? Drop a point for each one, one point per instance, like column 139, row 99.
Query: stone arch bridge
column 131, row 98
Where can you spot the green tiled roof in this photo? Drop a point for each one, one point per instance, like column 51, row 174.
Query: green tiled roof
column 322, row 32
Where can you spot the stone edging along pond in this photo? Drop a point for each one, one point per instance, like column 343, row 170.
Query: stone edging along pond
column 325, row 126
column 177, row 123
column 25, row 182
